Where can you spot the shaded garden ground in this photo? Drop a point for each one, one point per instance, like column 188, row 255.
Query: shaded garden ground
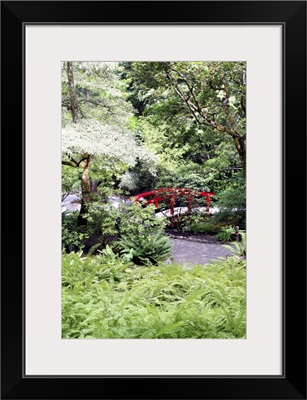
column 193, row 249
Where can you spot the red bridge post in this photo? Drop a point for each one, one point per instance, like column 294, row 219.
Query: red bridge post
column 170, row 193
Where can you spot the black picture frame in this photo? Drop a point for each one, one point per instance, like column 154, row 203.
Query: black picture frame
column 292, row 383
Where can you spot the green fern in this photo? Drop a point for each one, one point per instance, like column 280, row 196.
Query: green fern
column 106, row 298
column 93, row 248
column 149, row 249
column 238, row 248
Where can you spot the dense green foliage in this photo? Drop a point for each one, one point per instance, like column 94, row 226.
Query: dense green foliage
column 133, row 127
column 95, row 116
column 129, row 128
column 201, row 224
column 133, row 230
column 70, row 180
column 108, row 298
column 193, row 116
column 226, row 234
column 73, row 237
column 142, row 234
column 196, row 99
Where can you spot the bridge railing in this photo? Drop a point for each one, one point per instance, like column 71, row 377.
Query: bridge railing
column 171, row 195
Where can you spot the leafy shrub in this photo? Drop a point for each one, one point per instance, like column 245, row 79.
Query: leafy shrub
column 191, row 180
column 180, row 221
column 226, row 234
column 70, row 180
column 235, row 218
column 130, row 182
column 186, row 210
column 232, row 205
column 203, row 227
column 182, row 177
column 105, row 224
column 200, row 223
column 232, row 198
column 139, row 178
column 101, row 219
column 136, row 220
column 73, row 238
column 141, row 234
column 100, row 229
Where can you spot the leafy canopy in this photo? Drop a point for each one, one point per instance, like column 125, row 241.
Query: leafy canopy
column 111, row 142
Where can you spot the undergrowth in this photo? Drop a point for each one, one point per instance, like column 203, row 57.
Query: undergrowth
column 106, row 297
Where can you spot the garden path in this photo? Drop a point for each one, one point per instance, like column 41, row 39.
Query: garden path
column 187, row 248
column 191, row 252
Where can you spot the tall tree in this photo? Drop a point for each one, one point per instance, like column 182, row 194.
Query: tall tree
column 212, row 93
column 94, row 118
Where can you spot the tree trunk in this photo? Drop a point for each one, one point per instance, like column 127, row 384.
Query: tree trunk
column 72, row 92
column 240, row 146
column 85, row 189
column 87, row 161
column 243, row 161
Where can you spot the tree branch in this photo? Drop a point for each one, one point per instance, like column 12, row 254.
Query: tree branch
column 69, row 163
column 73, row 163
column 200, row 114
column 222, row 169
column 72, row 160
column 243, row 105
column 215, row 88
column 192, row 107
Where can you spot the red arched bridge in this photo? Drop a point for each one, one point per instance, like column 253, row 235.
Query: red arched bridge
column 172, row 196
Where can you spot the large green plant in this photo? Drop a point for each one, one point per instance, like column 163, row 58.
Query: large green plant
column 105, row 298
column 147, row 249
column 70, row 180
column 142, row 234
column 233, row 197
column 73, row 237
column 135, row 219
column 201, row 224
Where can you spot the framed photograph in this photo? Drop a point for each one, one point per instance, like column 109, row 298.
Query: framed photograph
column 223, row 81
